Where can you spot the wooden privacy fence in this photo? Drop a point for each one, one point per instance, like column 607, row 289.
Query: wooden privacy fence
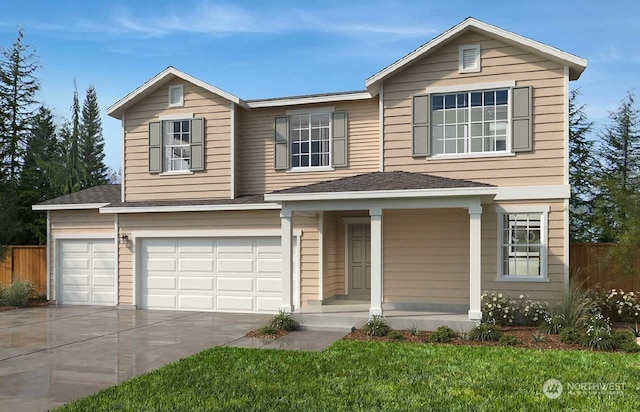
column 587, row 263
column 25, row 263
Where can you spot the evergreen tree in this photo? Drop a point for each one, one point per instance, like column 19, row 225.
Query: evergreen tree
column 582, row 169
column 619, row 163
column 91, row 142
column 70, row 134
column 18, row 89
column 42, row 175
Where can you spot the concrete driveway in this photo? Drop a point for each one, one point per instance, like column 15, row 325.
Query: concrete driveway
column 51, row 356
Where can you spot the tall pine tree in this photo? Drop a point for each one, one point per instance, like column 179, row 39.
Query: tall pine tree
column 70, row 133
column 91, row 142
column 581, row 172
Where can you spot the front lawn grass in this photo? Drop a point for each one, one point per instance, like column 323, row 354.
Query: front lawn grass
column 352, row 375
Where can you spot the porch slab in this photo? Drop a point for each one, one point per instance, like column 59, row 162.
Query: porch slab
column 346, row 316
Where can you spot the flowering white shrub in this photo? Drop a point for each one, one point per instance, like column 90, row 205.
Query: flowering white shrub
column 504, row 310
column 621, row 306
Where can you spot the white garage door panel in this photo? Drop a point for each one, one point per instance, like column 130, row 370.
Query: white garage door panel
column 196, row 283
column 86, row 272
column 236, row 274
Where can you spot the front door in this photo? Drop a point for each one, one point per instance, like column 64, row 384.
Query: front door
column 359, row 263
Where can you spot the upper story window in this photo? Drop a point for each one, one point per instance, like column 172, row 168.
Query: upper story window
column 310, row 136
column 176, row 96
column 523, row 244
column 177, row 145
column 470, row 122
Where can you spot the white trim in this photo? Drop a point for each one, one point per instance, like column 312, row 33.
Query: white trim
column 70, row 206
column 505, row 84
column 377, row 267
column 477, row 63
column 311, row 110
column 471, row 155
column 297, row 278
column 398, row 203
column 382, row 194
column 346, row 257
column 232, row 185
column 475, row 262
column 321, row 257
column 567, row 249
column 175, row 116
column 533, row 192
column 48, row 253
column 576, row 63
column 293, row 101
column 116, row 225
column 116, row 110
column 88, row 236
column 192, row 208
column 180, row 103
column 205, row 233
column 122, row 156
column 381, row 127
column 310, row 169
column 176, row 173
column 566, row 125
column 544, row 242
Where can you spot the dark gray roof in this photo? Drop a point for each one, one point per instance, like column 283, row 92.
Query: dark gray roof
column 96, row 194
column 307, row 95
column 380, row 181
column 241, row 200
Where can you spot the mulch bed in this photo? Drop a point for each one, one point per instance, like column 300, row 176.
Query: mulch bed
column 525, row 334
column 255, row 334
column 35, row 303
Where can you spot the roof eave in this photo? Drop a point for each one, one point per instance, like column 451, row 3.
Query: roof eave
column 383, row 194
column 70, row 206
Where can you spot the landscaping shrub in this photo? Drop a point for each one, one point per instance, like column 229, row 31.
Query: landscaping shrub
column 620, row 306
column 485, row 331
column 537, row 337
column 504, row 310
column 284, row 321
column 413, row 330
column 395, row 335
column 18, row 293
column 623, row 337
column 553, row 324
column 267, row 330
column 598, row 334
column 577, row 305
column 570, row 335
column 508, row 340
column 376, row 326
column 443, row 334
column 532, row 312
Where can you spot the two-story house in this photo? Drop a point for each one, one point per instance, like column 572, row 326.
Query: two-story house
column 446, row 177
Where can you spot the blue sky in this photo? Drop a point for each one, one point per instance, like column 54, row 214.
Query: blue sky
column 259, row 49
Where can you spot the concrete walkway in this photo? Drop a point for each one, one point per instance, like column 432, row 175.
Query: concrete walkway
column 53, row 355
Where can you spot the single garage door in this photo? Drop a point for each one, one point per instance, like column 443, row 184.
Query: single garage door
column 86, row 273
column 234, row 274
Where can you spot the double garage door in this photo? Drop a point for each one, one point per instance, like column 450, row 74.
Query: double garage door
column 234, row 274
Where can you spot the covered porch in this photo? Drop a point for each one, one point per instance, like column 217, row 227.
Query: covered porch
column 376, row 197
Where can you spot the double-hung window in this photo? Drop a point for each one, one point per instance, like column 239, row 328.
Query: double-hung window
column 470, row 122
column 310, row 139
column 523, row 243
column 176, row 145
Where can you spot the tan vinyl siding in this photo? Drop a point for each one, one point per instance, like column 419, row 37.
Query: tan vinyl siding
column 213, row 182
column 83, row 223
column 426, row 256
column 333, row 249
column 500, row 62
column 309, row 257
column 257, row 174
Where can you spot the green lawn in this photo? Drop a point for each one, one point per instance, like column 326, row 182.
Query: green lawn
column 352, row 375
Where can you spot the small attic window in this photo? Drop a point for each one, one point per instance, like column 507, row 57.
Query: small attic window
column 469, row 59
column 176, row 96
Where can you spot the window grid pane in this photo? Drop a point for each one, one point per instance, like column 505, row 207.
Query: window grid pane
column 521, row 244
column 310, row 138
column 474, row 122
column 176, row 142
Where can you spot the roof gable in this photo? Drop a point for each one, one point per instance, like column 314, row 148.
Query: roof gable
column 118, row 108
column 576, row 64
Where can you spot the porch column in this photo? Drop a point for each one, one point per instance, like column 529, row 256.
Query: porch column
column 287, row 261
column 376, row 261
column 475, row 261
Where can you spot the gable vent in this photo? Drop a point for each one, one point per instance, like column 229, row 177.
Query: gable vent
column 469, row 59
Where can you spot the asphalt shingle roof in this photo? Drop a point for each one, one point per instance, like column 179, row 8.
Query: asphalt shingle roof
column 96, row 194
column 381, row 181
column 199, row 202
